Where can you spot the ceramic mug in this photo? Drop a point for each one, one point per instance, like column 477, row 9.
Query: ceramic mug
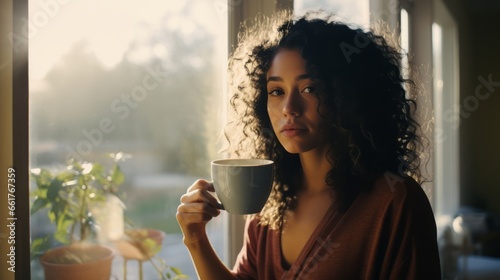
column 242, row 185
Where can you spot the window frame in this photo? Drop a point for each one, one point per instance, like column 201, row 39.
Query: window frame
column 238, row 12
column 420, row 19
column 16, row 154
column 447, row 146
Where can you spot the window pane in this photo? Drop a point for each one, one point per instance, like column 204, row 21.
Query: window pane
column 139, row 77
column 351, row 11
column 405, row 40
column 447, row 114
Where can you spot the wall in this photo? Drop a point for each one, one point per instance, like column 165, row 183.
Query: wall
column 481, row 130
column 480, row 115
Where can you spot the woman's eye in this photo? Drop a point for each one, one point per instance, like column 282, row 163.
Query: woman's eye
column 308, row 89
column 275, row 92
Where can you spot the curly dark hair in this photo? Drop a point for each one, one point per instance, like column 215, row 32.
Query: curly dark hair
column 358, row 77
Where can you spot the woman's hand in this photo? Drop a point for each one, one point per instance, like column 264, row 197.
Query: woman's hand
column 197, row 207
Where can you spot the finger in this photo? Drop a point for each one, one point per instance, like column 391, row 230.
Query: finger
column 193, row 218
column 211, row 187
column 198, row 209
column 207, row 209
column 200, row 184
column 201, row 196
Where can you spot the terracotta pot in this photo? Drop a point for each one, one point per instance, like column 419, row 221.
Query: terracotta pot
column 60, row 264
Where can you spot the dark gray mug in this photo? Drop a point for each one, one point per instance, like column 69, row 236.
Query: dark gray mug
column 242, row 185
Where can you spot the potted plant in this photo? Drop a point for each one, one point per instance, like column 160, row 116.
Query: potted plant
column 69, row 196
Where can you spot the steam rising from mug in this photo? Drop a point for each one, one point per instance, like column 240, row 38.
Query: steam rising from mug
column 242, row 185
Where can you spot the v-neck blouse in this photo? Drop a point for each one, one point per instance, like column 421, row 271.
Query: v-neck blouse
column 387, row 233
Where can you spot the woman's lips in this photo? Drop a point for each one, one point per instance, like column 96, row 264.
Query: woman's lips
column 290, row 130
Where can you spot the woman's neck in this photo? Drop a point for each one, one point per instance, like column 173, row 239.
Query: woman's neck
column 315, row 167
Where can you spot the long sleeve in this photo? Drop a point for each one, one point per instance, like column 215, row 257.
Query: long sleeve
column 412, row 251
column 246, row 266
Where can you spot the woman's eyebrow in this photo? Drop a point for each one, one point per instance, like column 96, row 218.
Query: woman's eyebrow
column 274, row 79
column 303, row 77
column 279, row 79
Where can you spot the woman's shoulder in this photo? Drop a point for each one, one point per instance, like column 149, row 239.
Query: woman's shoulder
column 394, row 193
column 397, row 187
column 395, row 201
column 254, row 225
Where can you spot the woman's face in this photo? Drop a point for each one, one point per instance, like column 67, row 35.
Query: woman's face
column 292, row 104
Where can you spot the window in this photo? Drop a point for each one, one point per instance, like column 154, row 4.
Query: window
column 356, row 12
column 447, row 111
column 405, row 38
column 139, row 77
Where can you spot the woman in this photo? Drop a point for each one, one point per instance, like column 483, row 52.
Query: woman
column 328, row 104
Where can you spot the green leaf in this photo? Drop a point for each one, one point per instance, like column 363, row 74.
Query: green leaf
column 53, row 191
column 38, row 204
column 62, row 236
column 176, row 270
column 43, row 178
column 102, row 182
column 97, row 196
column 38, row 193
column 97, row 170
column 39, row 245
column 76, row 166
column 52, row 216
column 79, row 180
column 117, row 176
column 66, row 176
column 59, row 209
column 64, row 222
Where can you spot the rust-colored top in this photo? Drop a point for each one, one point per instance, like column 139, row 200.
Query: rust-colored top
column 387, row 233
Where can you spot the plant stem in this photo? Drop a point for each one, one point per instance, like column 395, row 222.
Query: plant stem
column 125, row 269
column 72, row 232
column 82, row 209
column 158, row 269
column 140, row 270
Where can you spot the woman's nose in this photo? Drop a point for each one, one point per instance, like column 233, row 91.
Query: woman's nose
column 292, row 104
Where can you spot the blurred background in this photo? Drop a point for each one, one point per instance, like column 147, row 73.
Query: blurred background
column 140, row 77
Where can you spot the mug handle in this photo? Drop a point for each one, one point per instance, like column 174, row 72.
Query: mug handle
column 220, row 206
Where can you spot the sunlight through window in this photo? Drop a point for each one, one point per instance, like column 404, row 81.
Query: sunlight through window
column 141, row 81
column 355, row 12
